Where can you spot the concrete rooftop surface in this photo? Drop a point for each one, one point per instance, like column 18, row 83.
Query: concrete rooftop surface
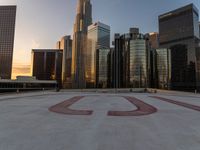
column 99, row 121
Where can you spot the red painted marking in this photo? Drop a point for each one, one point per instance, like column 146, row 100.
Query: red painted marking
column 63, row 107
column 142, row 109
column 183, row 104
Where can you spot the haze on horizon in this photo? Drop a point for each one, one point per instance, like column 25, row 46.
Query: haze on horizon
column 40, row 24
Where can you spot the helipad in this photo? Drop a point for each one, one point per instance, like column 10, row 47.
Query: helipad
column 99, row 121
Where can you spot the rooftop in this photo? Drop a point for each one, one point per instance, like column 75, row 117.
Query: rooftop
column 179, row 10
column 106, row 121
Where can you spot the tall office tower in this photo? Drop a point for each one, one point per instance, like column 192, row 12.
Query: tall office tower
column 163, row 65
column 138, row 63
column 79, row 47
column 130, row 60
column 117, row 63
column 47, row 64
column 102, row 68
column 179, row 32
column 65, row 44
column 110, row 69
column 7, row 32
column 153, row 44
column 98, row 38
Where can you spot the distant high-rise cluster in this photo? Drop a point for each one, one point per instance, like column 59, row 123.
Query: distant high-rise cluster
column 169, row 59
column 7, row 32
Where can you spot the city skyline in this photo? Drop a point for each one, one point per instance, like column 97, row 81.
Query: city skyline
column 36, row 33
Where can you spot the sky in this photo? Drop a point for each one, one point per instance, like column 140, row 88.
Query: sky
column 41, row 23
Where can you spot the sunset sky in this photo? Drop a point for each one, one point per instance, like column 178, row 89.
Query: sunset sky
column 41, row 23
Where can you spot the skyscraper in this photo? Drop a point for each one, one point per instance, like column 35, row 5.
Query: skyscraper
column 153, row 44
column 79, row 47
column 7, row 31
column 65, row 44
column 163, row 67
column 98, row 38
column 130, row 60
column 102, row 68
column 138, row 63
column 179, row 32
column 117, row 63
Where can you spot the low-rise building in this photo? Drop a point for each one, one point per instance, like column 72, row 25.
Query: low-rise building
column 47, row 64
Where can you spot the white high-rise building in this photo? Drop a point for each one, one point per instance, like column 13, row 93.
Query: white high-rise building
column 98, row 38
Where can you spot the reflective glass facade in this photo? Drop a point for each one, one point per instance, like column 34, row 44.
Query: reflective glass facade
column 163, row 65
column 181, row 35
column 173, row 26
column 102, row 68
column 7, row 31
column 138, row 63
column 98, row 38
column 130, row 60
column 117, row 63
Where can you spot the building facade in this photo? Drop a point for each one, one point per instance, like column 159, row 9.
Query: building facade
column 79, row 47
column 181, row 35
column 138, row 77
column 65, row 44
column 163, row 65
column 26, row 83
column 130, row 60
column 153, row 44
column 102, row 68
column 7, row 32
column 98, row 38
column 47, row 64
column 117, row 63
column 154, row 40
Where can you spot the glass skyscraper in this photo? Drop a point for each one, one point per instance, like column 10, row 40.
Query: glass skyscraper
column 138, row 76
column 98, row 38
column 102, row 68
column 7, row 32
column 163, row 65
column 130, row 60
column 117, row 63
column 179, row 32
column 79, row 47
